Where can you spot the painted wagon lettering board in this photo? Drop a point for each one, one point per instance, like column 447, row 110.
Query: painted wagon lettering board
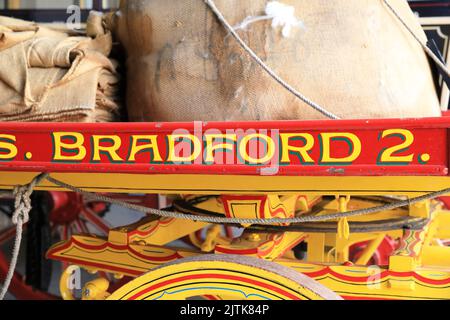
column 357, row 147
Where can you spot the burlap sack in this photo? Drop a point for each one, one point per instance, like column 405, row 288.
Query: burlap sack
column 50, row 75
column 353, row 57
column 14, row 31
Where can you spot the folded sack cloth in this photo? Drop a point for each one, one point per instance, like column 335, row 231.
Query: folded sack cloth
column 51, row 75
column 14, row 31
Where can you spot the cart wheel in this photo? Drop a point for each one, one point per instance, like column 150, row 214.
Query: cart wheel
column 226, row 276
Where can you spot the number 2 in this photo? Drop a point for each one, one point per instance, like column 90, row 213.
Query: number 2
column 389, row 155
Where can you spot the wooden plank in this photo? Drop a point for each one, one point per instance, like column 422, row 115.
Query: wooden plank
column 417, row 147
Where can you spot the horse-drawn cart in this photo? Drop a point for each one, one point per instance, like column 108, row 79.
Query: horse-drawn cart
column 320, row 209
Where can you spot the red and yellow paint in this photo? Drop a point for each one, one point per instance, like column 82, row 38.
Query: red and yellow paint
column 372, row 283
column 257, row 169
column 225, row 278
column 154, row 230
column 409, row 274
column 98, row 254
column 276, row 148
column 264, row 246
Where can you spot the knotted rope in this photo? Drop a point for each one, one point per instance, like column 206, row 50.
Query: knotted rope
column 22, row 208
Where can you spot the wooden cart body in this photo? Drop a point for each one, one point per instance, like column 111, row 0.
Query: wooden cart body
column 255, row 170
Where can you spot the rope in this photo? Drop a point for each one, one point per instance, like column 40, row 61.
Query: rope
column 20, row 217
column 428, row 51
column 23, row 193
column 288, row 87
column 258, row 60
column 23, row 208
column 220, row 220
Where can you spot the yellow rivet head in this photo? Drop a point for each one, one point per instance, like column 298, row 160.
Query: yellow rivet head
column 425, row 157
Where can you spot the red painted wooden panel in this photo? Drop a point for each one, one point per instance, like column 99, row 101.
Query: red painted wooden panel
column 36, row 148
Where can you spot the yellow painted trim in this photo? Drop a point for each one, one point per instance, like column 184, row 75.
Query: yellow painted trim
column 239, row 281
column 436, row 256
column 377, row 285
column 427, row 21
column 229, row 184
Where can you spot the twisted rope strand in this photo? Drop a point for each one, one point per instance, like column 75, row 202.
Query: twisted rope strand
column 22, row 208
column 220, row 220
column 23, row 193
column 258, row 60
column 428, row 51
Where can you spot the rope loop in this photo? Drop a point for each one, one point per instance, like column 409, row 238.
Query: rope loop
column 21, row 216
column 22, row 205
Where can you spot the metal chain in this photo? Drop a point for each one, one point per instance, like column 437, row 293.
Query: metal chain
column 428, row 51
column 258, row 60
column 20, row 217
column 220, row 220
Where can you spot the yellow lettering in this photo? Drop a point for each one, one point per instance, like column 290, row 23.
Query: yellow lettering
column 352, row 140
column 151, row 146
column 195, row 152
column 75, row 148
column 302, row 151
column 7, row 144
column 388, row 155
column 111, row 150
column 211, row 148
column 270, row 148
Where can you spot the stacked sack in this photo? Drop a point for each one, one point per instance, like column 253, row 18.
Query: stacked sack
column 352, row 57
column 51, row 74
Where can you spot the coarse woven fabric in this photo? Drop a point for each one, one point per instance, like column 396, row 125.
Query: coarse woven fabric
column 55, row 75
column 352, row 57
